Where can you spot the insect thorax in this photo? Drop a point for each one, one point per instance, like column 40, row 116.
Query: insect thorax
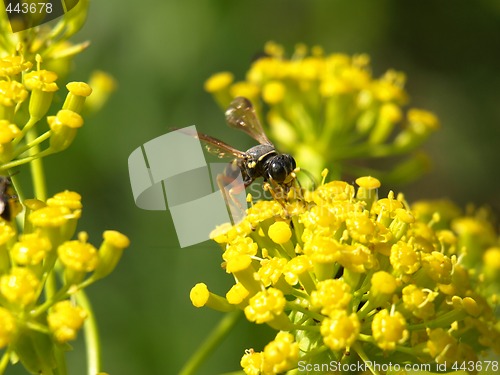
column 257, row 158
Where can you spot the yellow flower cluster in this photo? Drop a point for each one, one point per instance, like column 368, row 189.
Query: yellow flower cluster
column 27, row 261
column 27, row 91
column 43, row 271
column 33, row 92
column 328, row 110
column 345, row 276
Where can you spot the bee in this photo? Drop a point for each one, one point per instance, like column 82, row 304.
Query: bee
column 276, row 169
column 8, row 203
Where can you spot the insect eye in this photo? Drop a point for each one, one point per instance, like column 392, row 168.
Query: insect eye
column 277, row 171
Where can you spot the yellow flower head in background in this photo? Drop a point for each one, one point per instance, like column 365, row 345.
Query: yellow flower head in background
column 328, row 110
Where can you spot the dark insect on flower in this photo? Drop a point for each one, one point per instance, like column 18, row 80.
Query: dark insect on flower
column 8, row 199
column 262, row 160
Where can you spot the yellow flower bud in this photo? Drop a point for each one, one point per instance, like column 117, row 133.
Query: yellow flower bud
column 13, row 65
column 237, row 294
column 42, row 85
column 65, row 320
column 274, row 92
column 78, row 255
column 50, row 216
column 110, row 252
column 280, row 232
column 64, row 127
column 11, row 94
column 103, row 85
column 7, row 327
column 200, row 296
column 340, row 330
column 389, row 329
column 78, row 92
column 67, row 198
column 31, row 249
column 20, row 286
column 218, row 82
column 281, row 354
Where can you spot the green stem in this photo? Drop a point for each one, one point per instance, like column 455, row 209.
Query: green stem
column 62, row 368
column 20, row 197
column 34, row 143
column 37, row 171
column 361, row 353
column 17, row 186
column 92, row 342
column 4, row 361
column 31, row 122
column 212, row 341
column 25, row 160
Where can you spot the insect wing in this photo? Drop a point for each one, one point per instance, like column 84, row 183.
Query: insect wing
column 241, row 115
column 221, row 149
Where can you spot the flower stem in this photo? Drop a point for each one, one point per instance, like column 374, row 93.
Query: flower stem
column 211, row 342
column 33, row 143
column 92, row 342
column 4, row 361
column 37, row 170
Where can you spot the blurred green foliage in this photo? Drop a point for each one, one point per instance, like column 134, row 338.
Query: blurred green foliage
column 161, row 52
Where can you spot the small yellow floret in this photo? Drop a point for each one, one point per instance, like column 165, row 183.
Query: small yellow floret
column 199, row 295
column 368, row 182
column 20, row 286
column 273, row 92
column 43, row 80
column 265, row 306
column 238, row 263
column 281, row 354
column 50, row 216
column 425, row 119
column 7, row 327
column 471, row 306
column 389, row 329
column 330, row 295
column 237, row 294
column 8, row 131
column 65, row 320
column 252, row 362
column 79, row 88
column 280, row 232
column 383, row 282
column 11, row 93
column 340, row 330
column 491, row 258
column 405, row 216
column 6, row 232
column 65, row 118
column 67, row 198
column 78, row 256
column 116, row 239
column 31, row 249
column 218, row 81
column 13, row 65
column 391, row 112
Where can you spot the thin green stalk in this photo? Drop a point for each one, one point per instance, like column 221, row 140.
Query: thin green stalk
column 62, row 368
column 37, row 170
column 25, row 160
column 361, row 353
column 4, row 361
column 92, row 342
column 212, row 341
column 36, row 142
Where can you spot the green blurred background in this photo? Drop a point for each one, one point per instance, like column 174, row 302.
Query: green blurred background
column 161, row 52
